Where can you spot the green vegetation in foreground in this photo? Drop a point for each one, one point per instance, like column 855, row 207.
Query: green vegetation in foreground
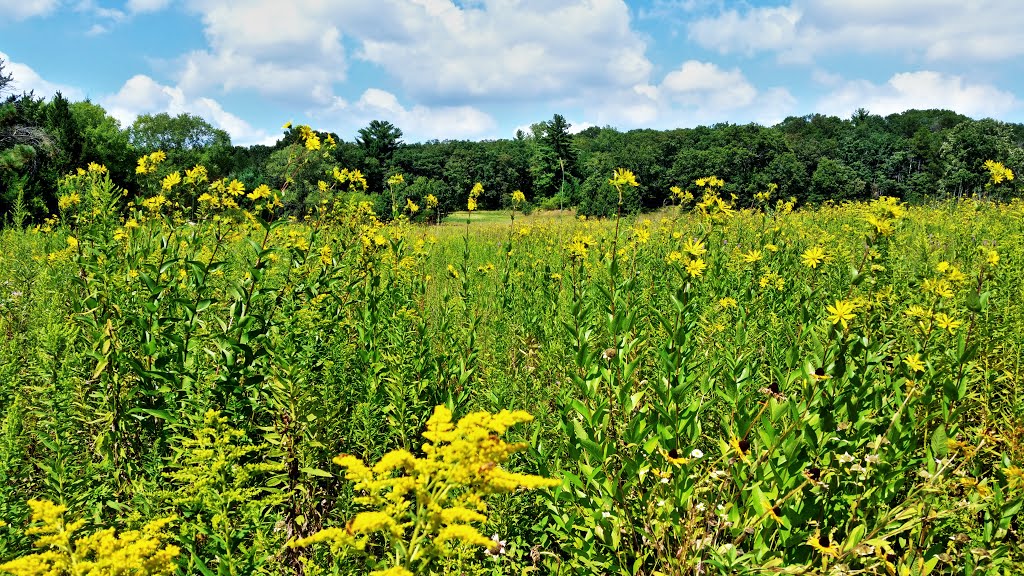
column 191, row 388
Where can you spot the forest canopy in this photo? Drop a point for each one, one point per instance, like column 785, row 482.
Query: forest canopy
column 914, row 155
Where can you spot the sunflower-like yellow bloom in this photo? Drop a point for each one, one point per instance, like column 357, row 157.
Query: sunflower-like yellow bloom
column 622, row 177
column 841, row 312
column 813, row 256
column 170, row 181
column 997, row 172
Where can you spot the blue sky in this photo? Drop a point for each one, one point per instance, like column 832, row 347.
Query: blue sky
column 478, row 69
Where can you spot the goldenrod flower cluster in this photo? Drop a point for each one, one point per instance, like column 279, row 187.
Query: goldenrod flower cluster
column 475, row 193
column 435, row 499
column 884, row 213
column 138, row 552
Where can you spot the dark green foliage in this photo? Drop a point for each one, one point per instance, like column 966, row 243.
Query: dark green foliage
column 914, row 155
column 187, row 139
column 378, row 141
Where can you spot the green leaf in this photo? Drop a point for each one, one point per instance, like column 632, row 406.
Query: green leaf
column 939, row 442
column 316, row 472
column 154, row 412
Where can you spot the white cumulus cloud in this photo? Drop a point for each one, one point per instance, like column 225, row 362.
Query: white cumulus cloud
column 913, row 30
column 506, row 49
column 418, row 122
column 23, row 9
column 293, row 51
column 140, row 94
column 25, row 79
column 440, row 52
column 705, row 86
column 142, row 6
column 694, row 93
column 921, row 90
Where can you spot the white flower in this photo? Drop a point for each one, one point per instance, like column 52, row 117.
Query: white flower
column 499, row 547
column 696, row 454
column 845, row 458
column 871, row 458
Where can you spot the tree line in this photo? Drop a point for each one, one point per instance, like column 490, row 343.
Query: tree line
column 914, row 155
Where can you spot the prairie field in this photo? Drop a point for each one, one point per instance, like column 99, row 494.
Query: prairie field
column 200, row 388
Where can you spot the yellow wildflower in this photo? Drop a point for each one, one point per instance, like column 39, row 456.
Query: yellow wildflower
column 196, row 175
column 1014, row 477
column 841, row 312
column 820, row 542
column 945, row 322
column 913, row 361
column 393, row 571
column 312, row 142
column 260, row 192
column 813, row 256
column 236, row 188
column 695, row 268
column 170, row 181
column 694, row 247
column 622, row 177
column 69, row 200
column 997, row 172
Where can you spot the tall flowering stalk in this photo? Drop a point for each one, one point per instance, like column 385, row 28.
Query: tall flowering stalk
column 420, row 505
